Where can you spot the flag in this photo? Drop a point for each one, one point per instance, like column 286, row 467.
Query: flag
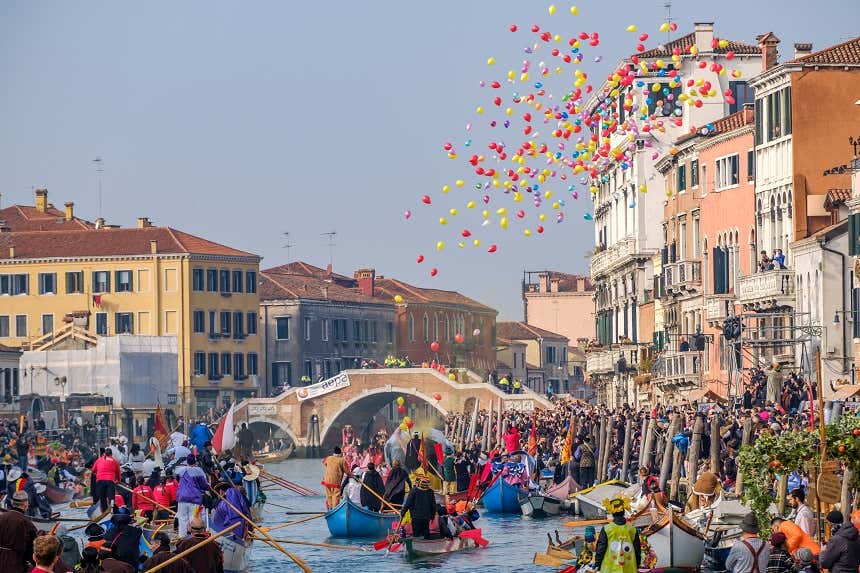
column 566, row 450
column 422, row 453
column 97, row 300
column 225, row 435
column 531, row 447
column 160, row 432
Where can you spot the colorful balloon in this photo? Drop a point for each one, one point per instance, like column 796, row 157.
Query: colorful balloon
column 434, row 346
column 458, row 338
column 398, row 299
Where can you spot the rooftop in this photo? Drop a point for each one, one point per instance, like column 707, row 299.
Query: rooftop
column 844, row 53
column 523, row 331
column 836, row 197
column 684, row 42
column 280, row 284
column 42, row 216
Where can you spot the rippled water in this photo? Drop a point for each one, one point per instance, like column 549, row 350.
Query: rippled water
column 513, row 539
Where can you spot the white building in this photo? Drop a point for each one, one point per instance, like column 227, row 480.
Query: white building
column 628, row 204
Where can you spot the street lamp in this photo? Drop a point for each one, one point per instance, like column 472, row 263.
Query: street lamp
column 837, row 313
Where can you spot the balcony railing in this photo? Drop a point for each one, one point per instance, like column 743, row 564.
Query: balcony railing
column 766, row 290
column 606, row 360
column 604, row 260
column 717, row 306
column 683, row 276
column 680, row 369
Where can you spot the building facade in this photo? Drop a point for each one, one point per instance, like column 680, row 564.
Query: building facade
column 101, row 281
column 559, row 302
column 546, row 358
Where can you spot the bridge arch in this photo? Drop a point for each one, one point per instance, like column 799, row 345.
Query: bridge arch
column 259, row 425
column 359, row 409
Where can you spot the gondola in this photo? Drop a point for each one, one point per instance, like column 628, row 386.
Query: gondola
column 675, row 542
column 589, row 502
column 275, row 456
column 538, row 505
column 564, row 489
column 417, row 548
column 502, row 497
column 452, row 497
column 348, row 519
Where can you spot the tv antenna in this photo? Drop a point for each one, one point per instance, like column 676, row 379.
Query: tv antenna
column 287, row 245
column 331, row 236
column 668, row 7
column 99, row 164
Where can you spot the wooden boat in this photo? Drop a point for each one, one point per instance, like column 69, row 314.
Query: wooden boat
column 537, row 505
column 675, row 542
column 275, row 456
column 58, row 495
column 452, row 497
column 589, row 502
column 548, row 560
column 417, row 548
column 349, row 520
column 502, row 497
column 564, row 489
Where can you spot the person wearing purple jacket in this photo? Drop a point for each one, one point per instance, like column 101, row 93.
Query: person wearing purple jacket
column 189, row 496
column 233, row 544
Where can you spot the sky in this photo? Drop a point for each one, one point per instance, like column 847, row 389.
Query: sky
column 242, row 121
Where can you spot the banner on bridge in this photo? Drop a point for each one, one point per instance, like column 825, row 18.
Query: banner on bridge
column 321, row 388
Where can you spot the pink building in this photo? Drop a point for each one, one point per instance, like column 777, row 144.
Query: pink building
column 559, row 302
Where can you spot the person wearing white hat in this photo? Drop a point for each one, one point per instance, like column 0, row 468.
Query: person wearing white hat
column 43, row 506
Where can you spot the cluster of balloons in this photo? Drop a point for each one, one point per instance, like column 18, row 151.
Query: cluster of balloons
column 546, row 145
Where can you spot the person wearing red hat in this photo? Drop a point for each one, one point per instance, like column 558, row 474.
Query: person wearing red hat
column 779, row 560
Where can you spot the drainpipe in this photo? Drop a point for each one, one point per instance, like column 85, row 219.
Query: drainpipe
column 844, row 322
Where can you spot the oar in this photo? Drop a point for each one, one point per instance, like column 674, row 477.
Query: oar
column 179, row 556
column 93, row 520
column 312, row 544
column 152, row 501
column 268, row 537
column 379, row 497
column 300, row 489
column 289, row 523
column 584, row 522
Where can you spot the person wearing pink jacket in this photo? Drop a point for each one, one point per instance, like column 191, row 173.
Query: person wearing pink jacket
column 107, row 474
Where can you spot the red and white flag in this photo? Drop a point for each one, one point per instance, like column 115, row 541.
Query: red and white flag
column 225, row 435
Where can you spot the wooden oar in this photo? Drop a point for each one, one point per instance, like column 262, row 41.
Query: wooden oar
column 289, row 523
column 584, row 522
column 93, row 520
column 294, row 487
column 179, row 556
column 268, row 537
column 152, row 501
column 312, row 544
column 379, row 497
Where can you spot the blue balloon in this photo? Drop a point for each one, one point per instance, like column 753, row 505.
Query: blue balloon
column 538, row 85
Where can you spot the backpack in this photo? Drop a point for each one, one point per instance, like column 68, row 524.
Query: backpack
column 70, row 553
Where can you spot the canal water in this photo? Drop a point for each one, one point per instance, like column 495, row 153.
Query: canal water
column 513, row 539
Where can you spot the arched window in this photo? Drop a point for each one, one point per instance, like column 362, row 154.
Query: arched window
column 435, row 327
column 411, row 328
column 426, row 328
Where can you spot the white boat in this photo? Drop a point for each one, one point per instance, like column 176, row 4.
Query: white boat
column 675, row 542
column 537, row 505
column 589, row 502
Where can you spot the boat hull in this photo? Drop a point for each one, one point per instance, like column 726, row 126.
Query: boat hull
column 423, row 548
column 349, row 520
column 589, row 502
column 275, row 456
column 563, row 489
column 540, row 505
column 676, row 543
column 502, row 497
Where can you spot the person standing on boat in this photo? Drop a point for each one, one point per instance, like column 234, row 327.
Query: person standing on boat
column 618, row 546
column 234, row 544
column 335, row 470
column 750, row 553
column 421, row 503
column 395, row 484
column 449, row 474
column 16, row 535
column 107, row 473
column 192, row 484
column 801, row 514
column 413, row 448
column 585, row 454
column 372, row 483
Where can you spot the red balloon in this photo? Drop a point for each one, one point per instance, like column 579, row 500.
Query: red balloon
column 426, row 199
column 437, row 397
column 434, row 271
column 540, row 229
column 458, row 338
column 434, row 346
column 419, row 259
column 401, row 409
column 492, row 249
column 513, row 28
column 466, row 233
column 409, row 424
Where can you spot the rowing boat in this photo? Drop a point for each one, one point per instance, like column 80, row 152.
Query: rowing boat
column 537, row 505
column 275, row 455
column 502, row 497
column 452, row 497
column 674, row 541
column 589, row 502
column 417, row 548
column 349, row 520
column 564, row 489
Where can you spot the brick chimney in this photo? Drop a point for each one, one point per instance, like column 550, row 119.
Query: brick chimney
column 704, row 34
column 41, row 200
column 143, row 222
column 543, row 282
column 70, row 210
column 366, row 279
column 580, row 284
column 153, row 247
column 553, row 284
column 100, row 223
column 12, row 252
column 769, row 56
column 801, row 50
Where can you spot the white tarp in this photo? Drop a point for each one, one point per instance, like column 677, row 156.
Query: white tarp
column 321, row 388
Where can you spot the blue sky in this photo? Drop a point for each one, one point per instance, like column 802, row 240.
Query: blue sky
column 239, row 121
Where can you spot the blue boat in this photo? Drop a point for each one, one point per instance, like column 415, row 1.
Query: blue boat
column 502, row 497
column 349, row 519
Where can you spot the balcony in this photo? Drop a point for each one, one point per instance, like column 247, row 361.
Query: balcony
column 606, row 360
column 615, row 255
column 767, row 290
column 717, row 307
column 680, row 369
column 683, row 276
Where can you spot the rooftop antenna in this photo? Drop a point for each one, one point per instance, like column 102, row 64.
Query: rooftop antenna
column 288, row 246
column 331, row 235
column 668, row 7
column 99, row 164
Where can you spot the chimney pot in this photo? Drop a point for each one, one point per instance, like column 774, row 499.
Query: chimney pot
column 100, row 223
column 580, row 284
column 769, row 54
column 704, row 36
column 41, row 200
column 12, row 252
column 143, row 222
column 366, row 279
column 802, row 49
column 70, row 210
column 543, row 282
column 153, row 247
column 328, row 270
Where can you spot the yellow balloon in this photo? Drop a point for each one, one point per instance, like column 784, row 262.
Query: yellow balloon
column 452, row 211
column 501, row 211
column 459, row 183
column 517, row 197
column 445, row 188
column 503, row 222
column 664, row 27
column 443, row 221
column 477, row 242
column 452, row 155
column 470, row 205
column 452, row 376
column 643, row 188
column 551, row 9
column 509, row 111
column 485, row 214
column 461, row 244
column 400, row 402
column 440, row 245
column 574, row 11
column 479, row 110
column 542, row 217
column 632, row 28
column 527, row 233
column 556, row 205
column 491, row 61
column 398, row 299
column 547, row 194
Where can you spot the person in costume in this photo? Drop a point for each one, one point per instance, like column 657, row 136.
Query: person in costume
column 618, row 546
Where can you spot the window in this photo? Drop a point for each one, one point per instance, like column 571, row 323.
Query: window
column 101, row 323
column 214, row 372
column 75, row 282
column 426, row 328
column 225, row 323
column 356, row 330
column 47, row 323
column 854, row 238
column 307, row 328
column 199, row 363
column 373, row 335
column 21, row 325
column 47, row 283
column 238, row 324
column 750, row 165
column 253, row 364
column 682, row 178
column 390, row 332
column 309, row 369
column 704, row 180
column 212, row 322
column 19, row 284
column 251, row 282
column 224, row 281
column 742, row 94
column 226, row 364
column 324, row 327
column 694, row 173
column 696, row 238
column 411, row 328
column 101, row 281
column 252, row 323
column 4, row 326
column 662, row 102
column 239, row 366
column 199, row 321
column 123, row 281
column 282, row 373
column 727, row 172
column 124, row 323
column 282, row 328
column 4, row 284
column 197, row 280
column 759, row 121
column 682, row 241
column 550, row 352
column 237, row 281
column 211, row 280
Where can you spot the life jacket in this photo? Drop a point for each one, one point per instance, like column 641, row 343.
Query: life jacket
column 620, row 556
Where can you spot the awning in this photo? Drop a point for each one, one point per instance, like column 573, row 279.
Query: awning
column 704, row 395
column 846, row 393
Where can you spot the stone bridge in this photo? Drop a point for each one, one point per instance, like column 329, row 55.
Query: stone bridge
column 373, row 392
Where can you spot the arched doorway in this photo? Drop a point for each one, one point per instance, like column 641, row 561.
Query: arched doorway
column 268, row 429
column 36, row 408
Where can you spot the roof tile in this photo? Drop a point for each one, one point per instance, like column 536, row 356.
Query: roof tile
column 523, row 331
column 28, row 218
column 684, row 42
column 844, row 53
